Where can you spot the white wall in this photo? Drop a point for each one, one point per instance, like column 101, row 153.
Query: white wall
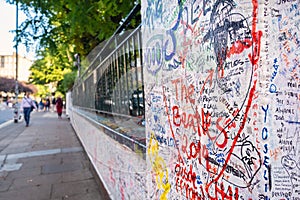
column 222, row 105
column 223, row 87
column 121, row 170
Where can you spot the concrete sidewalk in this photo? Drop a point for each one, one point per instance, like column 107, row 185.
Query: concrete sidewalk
column 45, row 161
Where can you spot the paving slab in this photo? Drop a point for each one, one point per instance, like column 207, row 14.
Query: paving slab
column 36, row 181
column 70, row 189
column 53, row 169
column 45, row 161
column 77, row 175
column 42, row 192
column 5, row 184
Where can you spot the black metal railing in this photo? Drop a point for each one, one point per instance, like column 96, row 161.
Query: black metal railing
column 113, row 84
column 116, row 84
column 113, row 81
column 120, row 88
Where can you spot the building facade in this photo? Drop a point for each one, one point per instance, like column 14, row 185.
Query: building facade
column 8, row 74
column 8, row 66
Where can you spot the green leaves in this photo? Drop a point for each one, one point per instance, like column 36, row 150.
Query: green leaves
column 63, row 28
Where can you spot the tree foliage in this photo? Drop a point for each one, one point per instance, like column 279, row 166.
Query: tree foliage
column 64, row 28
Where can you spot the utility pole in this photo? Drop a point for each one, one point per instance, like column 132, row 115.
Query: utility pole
column 17, row 59
column 16, row 110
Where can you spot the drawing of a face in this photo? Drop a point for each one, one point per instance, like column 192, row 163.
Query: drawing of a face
column 230, row 36
column 293, row 171
column 288, row 163
column 211, row 121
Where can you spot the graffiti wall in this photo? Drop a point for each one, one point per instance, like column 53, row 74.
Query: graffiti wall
column 121, row 171
column 222, row 98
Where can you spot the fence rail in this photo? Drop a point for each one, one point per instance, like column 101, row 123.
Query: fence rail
column 116, row 84
column 111, row 92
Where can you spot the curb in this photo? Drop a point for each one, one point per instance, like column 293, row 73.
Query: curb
column 6, row 123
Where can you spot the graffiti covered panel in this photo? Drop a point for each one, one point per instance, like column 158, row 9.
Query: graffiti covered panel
column 121, row 171
column 222, row 99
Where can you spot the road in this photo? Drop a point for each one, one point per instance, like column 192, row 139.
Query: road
column 10, row 131
column 6, row 114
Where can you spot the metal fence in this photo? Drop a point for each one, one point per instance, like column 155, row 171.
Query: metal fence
column 120, row 88
column 115, row 85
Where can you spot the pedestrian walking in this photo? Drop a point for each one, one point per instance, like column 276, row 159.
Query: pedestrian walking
column 53, row 103
column 47, row 105
column 27, row 105
column 41, row 105
column 59, row 106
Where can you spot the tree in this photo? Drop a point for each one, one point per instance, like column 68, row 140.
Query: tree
column 9, row 85
column 64, row 28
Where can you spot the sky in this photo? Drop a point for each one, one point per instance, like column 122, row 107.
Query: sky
column 7, row 24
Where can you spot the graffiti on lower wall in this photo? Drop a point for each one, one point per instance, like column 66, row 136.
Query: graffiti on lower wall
column 222, row 98
column 121, row 170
